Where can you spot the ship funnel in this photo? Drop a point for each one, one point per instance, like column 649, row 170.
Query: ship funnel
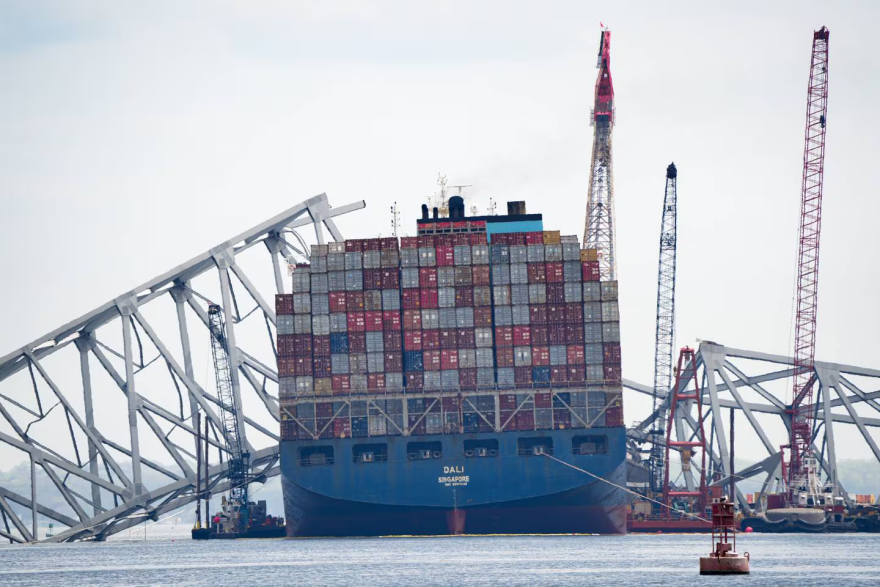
column 436, row 213
column 516, row 208
column 456, row 207
column 424, row 211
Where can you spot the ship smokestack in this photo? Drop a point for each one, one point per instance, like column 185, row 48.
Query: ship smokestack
column 424, row 211
column 516, row 208
column 456, row 207
column 436, row 213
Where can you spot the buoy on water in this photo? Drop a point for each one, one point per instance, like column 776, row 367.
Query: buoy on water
column 724, row 560
column 749, row 530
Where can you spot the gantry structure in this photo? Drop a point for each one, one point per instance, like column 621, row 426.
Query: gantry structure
column 104, row 408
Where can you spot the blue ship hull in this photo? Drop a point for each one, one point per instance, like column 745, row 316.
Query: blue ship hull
column 509, row 493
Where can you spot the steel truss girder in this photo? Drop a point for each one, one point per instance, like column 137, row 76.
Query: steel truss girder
column 724, row 378
column 111, row 469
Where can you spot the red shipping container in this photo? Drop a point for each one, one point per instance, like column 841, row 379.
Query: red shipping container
column 447, row 338
column 356, row 321
column 614, row 416
column 411, row 299
column 466, row 338
column 412, row 319
column 302, row 344
column 443, row 240
column 537, row 273
column 431, row 340
column 445, row 256
column 341, row 428
column 354, row 246
column 562, row 419
column 464, row 297
column 612, row 373
column 450, row 404
column 503, row 336
column 522, row 336
column 324, row 410
column 286, row 345
column 467, row 378
column 612, row 353
column 412, row 340
column 460, row 239
column 337, row 302
column 590, row 270
column 559, row 374
column 517, row 238
column 477, row 238
column 321, row 367
column 284, row 304
column 482, row 317
column 391, row 320
column 480, row 275
column 554, row 272
column 409, row 242
column 286, row 366
column 372, row 279
column 393, row 362
column 431, row 360
column 373, row 321
column 543, row 400
column 555, row 293
column 507, row 401
column 558, row 334
column 534, row 238
column 539, row 335
column 393, row 341
column 574, row 332
column 448, row 359
column 538, row 314
column 525, row 420
column 373, row 244
column 340, row 383
column 508, row 420
column 390, row 279
column 540, row 356
column 575, row 354
column 321, row 346
column 574, row 313
column 388, row 243
column 556, row 313
column 426, row 241
column 428, row 296
column 427, row 277
column 357, row 342
column 354, row 301
column 522, row 376
column 504, row 356
column 577, row 373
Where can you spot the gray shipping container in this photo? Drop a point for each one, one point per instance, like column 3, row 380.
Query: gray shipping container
column 339, row 364
column 359, row 383
column 446, row 297
column 390, row 299
column 592, row 311
column 354, row 260
column 503, row 316
column 467, row 358
column 357, row 363
column 372, row 260
column 449, row 379
column 302, row 303
column 354, row 280
column 543, row 418
column 593, row 332
column 519, row 273
column 434, row 422
column 538, row 293
column 409, row 257
column 609, row 291
column 375, row 343
column 462, row 255
column 372, row 300
column 427, row 257
column 520, row 315
column 377, row 425
column 579, row 418
column 336, row 262
column 596, row 399
column 284, row 324
column 501, row 295
column 571, row 252
column 305, row 411
column 505, row 377
column 611, row 332
column 320, row 250
column 301, row 281
column 519, row 254
column 393, row 381
column 593, row 354
column 320, row 325
column 287, row 385
column 592, row 291
column 484, row 357
column 483, row 337
column 447, row 318
column 336, row 280
column 445, row 276
column 464, row 317
column 430, row 319
column 320, row 284
column 463, row 276
column 432, row 380
column 522, row 356
column 610, row 312
column 558, row 355
column 480, row 254
column 390, row 258
column 500, row 275
column 573, row 292
column 409, row 277
column 302, row 324
column 318, row 265
column 553, row 253
column 482, row 296
column 519, row 294
column 338, row 322
column 572, row 272
column 358, row 409
column 486, row 377
column 336, row 247
column 536, row 253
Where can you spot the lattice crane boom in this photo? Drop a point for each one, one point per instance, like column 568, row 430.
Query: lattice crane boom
column 808, row 257
column 599, row 226
column 665, row 333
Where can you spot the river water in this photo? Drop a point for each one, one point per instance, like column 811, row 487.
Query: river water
column 170, row 558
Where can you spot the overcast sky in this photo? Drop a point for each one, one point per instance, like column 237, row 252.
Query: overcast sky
column 137, row 135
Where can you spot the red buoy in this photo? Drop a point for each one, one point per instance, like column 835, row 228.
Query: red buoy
column 724, row 560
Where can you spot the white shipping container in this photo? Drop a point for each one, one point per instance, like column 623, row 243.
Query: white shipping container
column 430, row 319
column 538, row 293
column 305, row 385
column 484, row 357
column 445, row 276
column 302, row 324
column 522, row 356
column 320, row 250
column 467, row 358
column 284, row 324
column 480, row 254
column 446, row 297
column 336, row 247
column 427, row 257
column 320, row 325
column 377, row 425
column 483, row 337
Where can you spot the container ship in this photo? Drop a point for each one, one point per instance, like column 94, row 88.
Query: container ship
column 432, row 384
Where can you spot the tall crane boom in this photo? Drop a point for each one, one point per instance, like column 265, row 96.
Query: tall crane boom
column 808, row 259
column 665, row 335
column 599, row 226
column 239, row 458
